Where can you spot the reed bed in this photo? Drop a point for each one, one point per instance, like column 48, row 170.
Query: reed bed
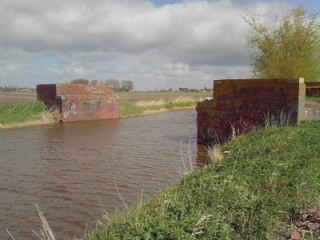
column 24, row 114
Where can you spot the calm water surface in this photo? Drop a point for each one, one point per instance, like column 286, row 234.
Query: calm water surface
column 69, row 169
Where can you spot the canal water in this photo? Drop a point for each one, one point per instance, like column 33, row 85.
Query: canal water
column 76, row 171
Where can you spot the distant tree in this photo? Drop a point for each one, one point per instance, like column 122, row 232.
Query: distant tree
column 112, row 82
column 183, row 89
column 127, row 85
column 94, row 82
column 80, row 81
column 288, row 49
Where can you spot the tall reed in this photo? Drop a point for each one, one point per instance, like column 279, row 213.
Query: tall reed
column 21, row 112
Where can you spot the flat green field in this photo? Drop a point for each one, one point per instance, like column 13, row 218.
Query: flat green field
column 166, row 96
column 9, row 98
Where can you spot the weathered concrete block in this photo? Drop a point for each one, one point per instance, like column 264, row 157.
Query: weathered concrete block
column 77, row 102
column 241, row 105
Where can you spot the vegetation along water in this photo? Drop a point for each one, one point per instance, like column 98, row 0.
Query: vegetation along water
column 131, row 104
column 30, row 113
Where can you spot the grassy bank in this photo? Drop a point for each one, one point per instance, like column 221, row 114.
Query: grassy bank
column 266, row 179
column 134, row 108
column 24, row 114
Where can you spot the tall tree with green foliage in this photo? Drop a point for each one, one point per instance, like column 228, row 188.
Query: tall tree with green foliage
column 290, row 48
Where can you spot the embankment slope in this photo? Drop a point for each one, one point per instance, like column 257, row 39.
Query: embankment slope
column 266, row 178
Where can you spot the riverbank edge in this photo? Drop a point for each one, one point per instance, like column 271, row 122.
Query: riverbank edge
column 32, row 123
column 24, row 124
column 47, row 118
column 266, row 183
column 27, row 114
column 162, row 110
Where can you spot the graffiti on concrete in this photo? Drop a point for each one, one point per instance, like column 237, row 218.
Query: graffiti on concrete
column 70, row 109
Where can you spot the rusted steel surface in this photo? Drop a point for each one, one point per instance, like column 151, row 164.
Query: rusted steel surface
column 313, row 89
column 77, row 102
column 241, row 105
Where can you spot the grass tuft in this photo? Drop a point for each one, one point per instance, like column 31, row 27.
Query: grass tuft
column 45, row 232
column 215, row 153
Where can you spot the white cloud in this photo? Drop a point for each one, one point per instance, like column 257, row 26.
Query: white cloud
column 158, row 47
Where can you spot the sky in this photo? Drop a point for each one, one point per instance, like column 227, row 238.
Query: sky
column 158, row 44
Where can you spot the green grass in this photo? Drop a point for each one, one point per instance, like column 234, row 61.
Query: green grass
column 265, row 176
column 21, row 112
column 134, row 108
